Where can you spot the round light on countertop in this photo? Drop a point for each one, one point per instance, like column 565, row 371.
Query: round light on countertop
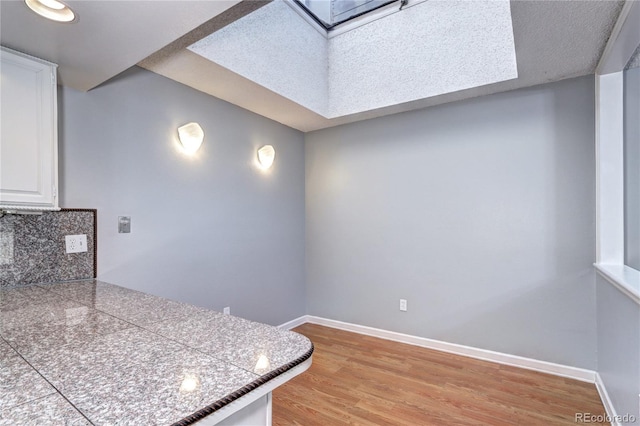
column 263, row 365
column 52, row 9
column 189, row 383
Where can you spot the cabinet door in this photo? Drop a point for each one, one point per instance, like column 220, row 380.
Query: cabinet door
column 28, row 132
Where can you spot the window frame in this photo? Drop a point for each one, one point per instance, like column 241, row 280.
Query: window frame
column 353, row 23
column 609, row 90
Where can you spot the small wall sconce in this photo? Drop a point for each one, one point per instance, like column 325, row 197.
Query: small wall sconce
column 191, row 136
column 266, row 155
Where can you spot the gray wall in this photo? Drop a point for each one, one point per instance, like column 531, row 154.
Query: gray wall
column 480, row 213
column 211, row 229
column 619, row 348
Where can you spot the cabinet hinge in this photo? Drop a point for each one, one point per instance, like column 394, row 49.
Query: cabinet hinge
column 55, row 191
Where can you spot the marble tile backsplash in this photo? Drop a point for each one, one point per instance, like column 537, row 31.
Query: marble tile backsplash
column 32, row 247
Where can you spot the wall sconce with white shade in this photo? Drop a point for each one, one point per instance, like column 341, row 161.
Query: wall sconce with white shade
column 266, row 155
column 191, row 136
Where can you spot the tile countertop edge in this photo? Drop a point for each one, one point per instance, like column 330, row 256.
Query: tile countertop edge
column 261, row 381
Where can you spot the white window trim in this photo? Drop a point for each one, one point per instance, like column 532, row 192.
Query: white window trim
column 353, row 23
column 624, row 39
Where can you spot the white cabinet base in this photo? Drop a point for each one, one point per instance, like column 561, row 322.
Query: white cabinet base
column 258, row 413
column 254, row 408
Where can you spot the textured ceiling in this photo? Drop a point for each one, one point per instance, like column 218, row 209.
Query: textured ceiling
column 553, row 40
column 374, row 65
column 295, row 67
column 634, row 62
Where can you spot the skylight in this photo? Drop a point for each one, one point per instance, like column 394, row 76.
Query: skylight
column 425, row 49
column 330, row 13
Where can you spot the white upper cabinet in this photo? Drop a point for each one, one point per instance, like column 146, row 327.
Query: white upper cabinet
column 28, row 133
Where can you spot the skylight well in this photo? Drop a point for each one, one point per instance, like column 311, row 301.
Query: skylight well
column 400, row 53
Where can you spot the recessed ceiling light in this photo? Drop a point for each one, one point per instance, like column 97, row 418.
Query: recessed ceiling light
column 52, row 9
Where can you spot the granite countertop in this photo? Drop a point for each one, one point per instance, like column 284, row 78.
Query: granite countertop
column 89, row 352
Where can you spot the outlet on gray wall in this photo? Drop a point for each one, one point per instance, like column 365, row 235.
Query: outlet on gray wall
column 480, row 212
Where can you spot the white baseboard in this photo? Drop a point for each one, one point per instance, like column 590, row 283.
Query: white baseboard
column 606, row 401
column 294, row 322
column 483, row 354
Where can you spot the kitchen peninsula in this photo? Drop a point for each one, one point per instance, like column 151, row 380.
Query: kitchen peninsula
column 88, row 352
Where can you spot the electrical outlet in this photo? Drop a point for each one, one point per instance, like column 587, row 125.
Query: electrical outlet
column 403, row 305
column 75, row 243
column 227, row 310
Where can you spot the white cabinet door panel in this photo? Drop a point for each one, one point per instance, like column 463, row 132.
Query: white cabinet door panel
column 28, row 132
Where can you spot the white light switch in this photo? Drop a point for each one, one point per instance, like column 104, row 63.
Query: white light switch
column 76, row 243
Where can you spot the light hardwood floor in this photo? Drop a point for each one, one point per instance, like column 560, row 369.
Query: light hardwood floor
column 364, row 380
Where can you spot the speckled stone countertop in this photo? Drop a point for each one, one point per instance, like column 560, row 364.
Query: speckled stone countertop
column 89, row 352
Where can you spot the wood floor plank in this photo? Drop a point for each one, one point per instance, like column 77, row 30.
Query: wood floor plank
column 363, row 380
